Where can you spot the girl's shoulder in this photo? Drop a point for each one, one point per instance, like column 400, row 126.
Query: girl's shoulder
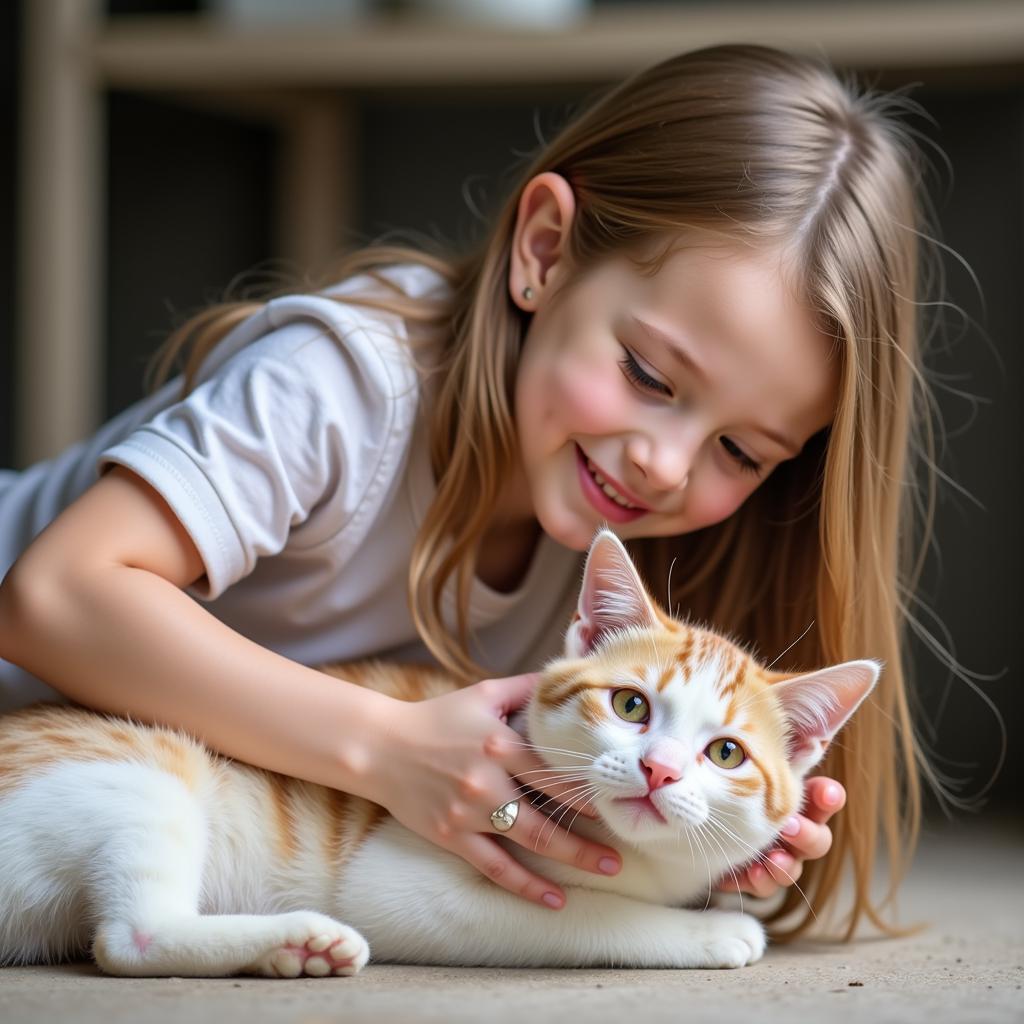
column 322, row 328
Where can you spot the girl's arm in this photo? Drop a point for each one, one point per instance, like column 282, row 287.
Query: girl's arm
column 94, row 606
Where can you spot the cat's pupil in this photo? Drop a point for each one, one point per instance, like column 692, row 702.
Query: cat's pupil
column 726, row 749
column 632, row 703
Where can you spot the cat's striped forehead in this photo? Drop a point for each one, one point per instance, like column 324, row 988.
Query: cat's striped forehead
column 687, row 666
column 660, row 658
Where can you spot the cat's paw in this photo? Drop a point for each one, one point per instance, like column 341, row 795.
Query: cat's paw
column 736, row 940
column 315, row 946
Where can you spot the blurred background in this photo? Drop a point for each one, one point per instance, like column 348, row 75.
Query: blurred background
column 158, row 148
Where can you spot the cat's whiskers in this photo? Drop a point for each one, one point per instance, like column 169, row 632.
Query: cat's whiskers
column 538, row 785
column 551, row 770
column 725, row 857
column 581, row 798
column 552, row 750
column 560, row 798
column 763, row 860
column 697, row 835
column 792, row 645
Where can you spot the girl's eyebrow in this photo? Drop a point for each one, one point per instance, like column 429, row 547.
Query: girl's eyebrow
column 677, row 349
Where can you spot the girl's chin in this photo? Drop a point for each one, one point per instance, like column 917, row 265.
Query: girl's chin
column 571, row 531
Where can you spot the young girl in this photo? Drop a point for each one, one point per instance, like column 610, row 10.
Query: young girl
column 694, row 320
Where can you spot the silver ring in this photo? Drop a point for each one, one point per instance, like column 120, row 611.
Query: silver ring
column 505, row 816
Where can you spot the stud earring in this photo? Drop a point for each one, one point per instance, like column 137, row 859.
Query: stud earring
column 527, row 293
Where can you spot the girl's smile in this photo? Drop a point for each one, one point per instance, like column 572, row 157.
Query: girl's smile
column 608, row 498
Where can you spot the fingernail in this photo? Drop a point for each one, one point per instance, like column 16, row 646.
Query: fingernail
column 832, row 796
column 553, row 900
column 609, row 865
column 757, row 872
column 791, row 827
column 779, row 859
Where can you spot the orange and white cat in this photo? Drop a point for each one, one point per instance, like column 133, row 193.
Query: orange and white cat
column 165, row 859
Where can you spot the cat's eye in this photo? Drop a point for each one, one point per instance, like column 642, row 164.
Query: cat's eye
column 630, row 705
column 726, row 753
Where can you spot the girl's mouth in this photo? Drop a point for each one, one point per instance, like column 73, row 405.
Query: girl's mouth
column 602, row 495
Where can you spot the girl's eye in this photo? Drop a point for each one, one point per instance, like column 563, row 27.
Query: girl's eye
column 726, row 753
column 640, row 377
column 630, row 705
column 745, row 462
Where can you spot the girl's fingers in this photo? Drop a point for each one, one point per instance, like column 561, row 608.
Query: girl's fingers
column 772, row 871
column 782, row 868
column 811, row 840
column 501, row 868
column 512, row 692
column 822, row 798
column 535, row 831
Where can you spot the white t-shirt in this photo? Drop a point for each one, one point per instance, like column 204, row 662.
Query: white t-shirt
column 299, row 466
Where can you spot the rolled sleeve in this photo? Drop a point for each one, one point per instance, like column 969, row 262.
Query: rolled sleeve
column 291, row 426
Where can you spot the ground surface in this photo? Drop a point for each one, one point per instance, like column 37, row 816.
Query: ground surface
column 969, row 967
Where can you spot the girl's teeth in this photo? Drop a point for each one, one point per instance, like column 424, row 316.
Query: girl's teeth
column 607, row 487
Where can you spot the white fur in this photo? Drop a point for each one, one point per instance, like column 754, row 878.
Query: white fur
column 124, row 855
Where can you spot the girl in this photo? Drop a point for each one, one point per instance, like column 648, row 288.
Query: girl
column 695, row 320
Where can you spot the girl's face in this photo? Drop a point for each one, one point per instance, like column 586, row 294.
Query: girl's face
column 678, row 393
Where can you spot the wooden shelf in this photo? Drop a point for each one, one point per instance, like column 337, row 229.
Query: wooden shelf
column 204, row 52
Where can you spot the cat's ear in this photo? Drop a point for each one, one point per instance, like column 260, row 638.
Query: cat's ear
column 612, row 596
column 817, row 705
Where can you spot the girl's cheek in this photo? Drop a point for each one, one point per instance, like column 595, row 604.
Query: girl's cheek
column 590, row 402
column 717, row 500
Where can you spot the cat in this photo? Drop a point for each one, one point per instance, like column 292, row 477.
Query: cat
column 165, row 859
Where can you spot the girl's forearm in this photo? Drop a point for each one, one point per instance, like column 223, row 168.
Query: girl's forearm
column 128, row 641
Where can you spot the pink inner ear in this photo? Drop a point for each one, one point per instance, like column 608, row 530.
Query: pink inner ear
column 612, row 596
column 818, row 704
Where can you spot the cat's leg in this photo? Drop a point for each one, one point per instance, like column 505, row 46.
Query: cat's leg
column 419, row 904
column 142, row 850
column 275, row 945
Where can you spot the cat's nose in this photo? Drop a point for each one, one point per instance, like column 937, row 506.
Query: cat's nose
column 658, row 772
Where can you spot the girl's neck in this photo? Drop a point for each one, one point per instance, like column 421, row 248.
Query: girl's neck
column 506, row 552
column 508, row 545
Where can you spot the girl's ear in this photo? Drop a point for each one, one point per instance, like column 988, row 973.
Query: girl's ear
column 612, row 597
column 817, row 705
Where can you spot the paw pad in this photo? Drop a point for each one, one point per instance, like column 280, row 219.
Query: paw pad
column 320, row 956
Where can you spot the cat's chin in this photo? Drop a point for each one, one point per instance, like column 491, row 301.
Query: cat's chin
column 636, row 818
column 642, row 807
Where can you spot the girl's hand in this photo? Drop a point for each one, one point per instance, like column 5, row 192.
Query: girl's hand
column 441, row 766
column 812, row 838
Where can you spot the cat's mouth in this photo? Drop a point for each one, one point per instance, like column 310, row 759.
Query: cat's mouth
column 643, row 804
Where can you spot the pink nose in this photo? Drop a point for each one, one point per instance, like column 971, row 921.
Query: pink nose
column 658, row 773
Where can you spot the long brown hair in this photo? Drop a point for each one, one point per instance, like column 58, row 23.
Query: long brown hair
column 771, row 149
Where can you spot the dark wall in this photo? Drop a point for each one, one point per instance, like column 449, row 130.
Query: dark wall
column 189, row 206
column 972, row 581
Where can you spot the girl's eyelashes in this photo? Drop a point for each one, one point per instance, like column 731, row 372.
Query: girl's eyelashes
column 640, row 377
column 742, row 459
column 643, row 380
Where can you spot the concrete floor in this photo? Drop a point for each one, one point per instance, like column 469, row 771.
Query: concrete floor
column 969, row 967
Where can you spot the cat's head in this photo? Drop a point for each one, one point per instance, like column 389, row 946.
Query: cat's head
column 673, row 730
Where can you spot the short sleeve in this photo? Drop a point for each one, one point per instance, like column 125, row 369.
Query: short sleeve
column 297, row 425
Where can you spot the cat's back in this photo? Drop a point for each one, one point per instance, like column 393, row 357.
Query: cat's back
column 38, row 739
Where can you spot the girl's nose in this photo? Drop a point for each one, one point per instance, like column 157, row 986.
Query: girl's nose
column 665, row 465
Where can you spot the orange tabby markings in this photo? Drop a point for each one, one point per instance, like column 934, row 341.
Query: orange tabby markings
column 592, row 709
column 280, row 798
